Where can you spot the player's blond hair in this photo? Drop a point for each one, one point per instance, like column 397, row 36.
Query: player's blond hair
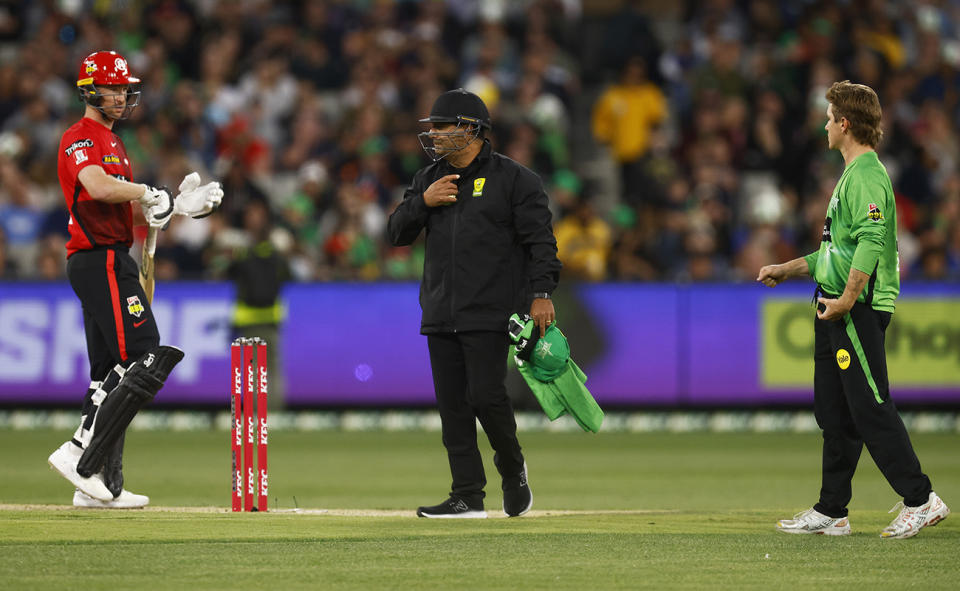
column 858, row 104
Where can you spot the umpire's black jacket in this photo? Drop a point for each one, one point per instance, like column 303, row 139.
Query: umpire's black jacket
column 486, row 254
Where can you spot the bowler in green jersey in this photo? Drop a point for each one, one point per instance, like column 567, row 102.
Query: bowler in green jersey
column 858, row 279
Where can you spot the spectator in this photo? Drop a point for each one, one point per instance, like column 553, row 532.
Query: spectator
column 21, row 218
column 583, row 243
column 353, row 229
column 624, row 117
column 253, row 91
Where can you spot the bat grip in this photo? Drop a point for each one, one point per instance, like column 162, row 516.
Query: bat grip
column 150, row 244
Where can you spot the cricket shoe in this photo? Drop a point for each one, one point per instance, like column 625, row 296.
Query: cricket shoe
column 453, row 508
column 64, row 460
column 912, row 519
column 812, row 521
column 126, row 500
column 517, row 496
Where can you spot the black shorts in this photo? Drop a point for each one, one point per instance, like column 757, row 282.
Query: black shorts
column 117, row 318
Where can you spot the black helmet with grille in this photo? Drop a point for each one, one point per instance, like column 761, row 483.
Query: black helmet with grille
column 459, row 106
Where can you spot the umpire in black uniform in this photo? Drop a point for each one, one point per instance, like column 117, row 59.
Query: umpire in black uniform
column 490, row 252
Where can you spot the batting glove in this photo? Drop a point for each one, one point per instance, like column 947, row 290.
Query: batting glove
column 151, row 196
column 159, row 208
column 197, row 201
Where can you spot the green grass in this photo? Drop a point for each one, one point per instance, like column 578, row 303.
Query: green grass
column 657, row 511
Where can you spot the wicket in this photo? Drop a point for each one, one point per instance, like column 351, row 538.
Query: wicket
column 245, row 355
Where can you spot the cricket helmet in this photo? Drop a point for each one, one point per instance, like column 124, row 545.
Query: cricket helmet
column 455, row 106
column 102, row 69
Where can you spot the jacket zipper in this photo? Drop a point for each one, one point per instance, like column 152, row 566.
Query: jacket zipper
column 453, row 264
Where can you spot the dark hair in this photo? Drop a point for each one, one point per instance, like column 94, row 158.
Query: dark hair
column 858, row 104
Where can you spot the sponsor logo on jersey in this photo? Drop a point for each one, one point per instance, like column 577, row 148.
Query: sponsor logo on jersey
column 826, row 236
column 478, row 186
column 874, row 214
column 111, row 159
column 80, row 156
column 843, row 359
column 84, row 143
column 134, row 306
column 833, row 205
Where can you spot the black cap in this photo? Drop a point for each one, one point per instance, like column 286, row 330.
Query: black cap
column 458, row 105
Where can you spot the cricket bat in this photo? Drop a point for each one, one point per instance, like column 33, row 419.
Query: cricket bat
column 189, row 183
column 146, row 264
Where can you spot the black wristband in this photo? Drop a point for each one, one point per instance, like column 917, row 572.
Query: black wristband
column 541, row 295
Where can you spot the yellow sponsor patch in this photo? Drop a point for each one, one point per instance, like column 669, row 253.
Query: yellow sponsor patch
column 85, row 81
column 843, row 359
column 478, row 186
column 111, row 159
column 134, row 307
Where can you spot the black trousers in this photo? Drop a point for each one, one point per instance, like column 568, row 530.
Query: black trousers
column 469, row 370
column 117, row 318
column 853, row 407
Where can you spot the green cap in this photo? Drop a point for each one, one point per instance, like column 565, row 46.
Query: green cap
column 548, row 355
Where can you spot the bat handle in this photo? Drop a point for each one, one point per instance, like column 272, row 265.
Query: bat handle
column 150, row 244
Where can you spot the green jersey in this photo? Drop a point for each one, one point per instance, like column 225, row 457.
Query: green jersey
column 860, row 232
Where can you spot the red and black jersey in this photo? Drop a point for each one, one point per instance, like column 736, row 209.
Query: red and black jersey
column 93, row 223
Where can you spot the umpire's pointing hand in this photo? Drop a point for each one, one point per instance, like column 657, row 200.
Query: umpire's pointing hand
column 443, row 191
column 541, row 310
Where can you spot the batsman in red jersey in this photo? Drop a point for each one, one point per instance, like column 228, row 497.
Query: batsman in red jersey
column 127, row 364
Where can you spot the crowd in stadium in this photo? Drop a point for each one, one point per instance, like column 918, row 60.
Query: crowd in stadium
column 677, row 143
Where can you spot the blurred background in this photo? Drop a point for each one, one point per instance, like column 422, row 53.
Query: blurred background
column 681, row 144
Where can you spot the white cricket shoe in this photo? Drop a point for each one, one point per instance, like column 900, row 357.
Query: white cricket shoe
column 812, row 521
column 912, row 519
column 64, row 460
column 126, row 500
